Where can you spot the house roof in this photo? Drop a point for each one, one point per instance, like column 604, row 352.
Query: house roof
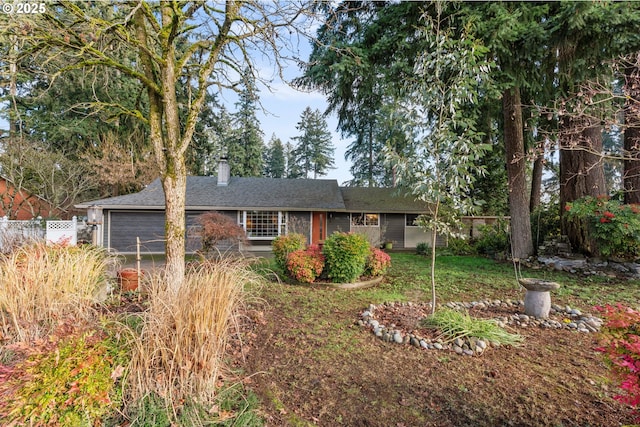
column 203, row 192
column 375, row 199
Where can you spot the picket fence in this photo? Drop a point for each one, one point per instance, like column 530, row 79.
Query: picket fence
column 13, row 232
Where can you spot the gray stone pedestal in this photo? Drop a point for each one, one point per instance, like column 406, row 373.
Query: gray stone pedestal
column 537, row 300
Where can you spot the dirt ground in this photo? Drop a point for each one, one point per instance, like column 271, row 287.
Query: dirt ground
column 329, row 371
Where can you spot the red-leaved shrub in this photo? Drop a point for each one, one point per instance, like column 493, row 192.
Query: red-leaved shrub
column 305, row 265
column 620, row 342
column 377, row 263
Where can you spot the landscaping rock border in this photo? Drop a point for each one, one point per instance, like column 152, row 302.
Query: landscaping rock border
column 572, row 320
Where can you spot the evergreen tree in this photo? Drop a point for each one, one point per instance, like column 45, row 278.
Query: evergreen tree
column 274, row 160
column 314, row 150
column 245, row 148
column 292, row 169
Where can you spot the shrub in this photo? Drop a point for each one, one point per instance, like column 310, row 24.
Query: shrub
column 282, row 246
column 178, row 352
column 377, row 263
column 493, row 239
column 423, row 248
column 216, row 227
column 43, row 283
column 346, row 256
column 72, row 382
column 459, row 246
column 545, row 223
column 620, row 343
column 305, row 265
column 614, row 227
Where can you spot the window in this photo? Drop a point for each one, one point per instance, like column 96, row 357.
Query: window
column 263, row 224
column 365, row 219
column 411, row 220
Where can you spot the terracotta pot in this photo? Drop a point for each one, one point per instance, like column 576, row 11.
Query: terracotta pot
column 128, row 279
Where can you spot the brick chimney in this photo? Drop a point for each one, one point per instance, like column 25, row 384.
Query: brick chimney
column 224, row 173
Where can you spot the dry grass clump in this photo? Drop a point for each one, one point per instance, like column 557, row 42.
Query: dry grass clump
column 178, row 352
column 40, row 285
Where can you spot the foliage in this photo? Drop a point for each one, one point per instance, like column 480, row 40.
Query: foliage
column 245, row 147
column 614, row 227
column 178, row 352
column 378, row 262
column 545, row 223
column 620, row 343
column 493, row 239
column 282, row 246
column 275, row 164
column 216, row 227
column 72, row 382
column 313, row 153
column 305, row 265
column 423, row 248
column 346, row 256
column 51, row 175
column 456, row 324
column 459, row 246
column 43, row 283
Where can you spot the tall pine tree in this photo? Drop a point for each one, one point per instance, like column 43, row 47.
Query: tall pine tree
column 246, row 146
column 313, row 154
column 275, row 165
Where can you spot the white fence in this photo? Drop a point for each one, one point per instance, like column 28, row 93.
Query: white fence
column 14, row 232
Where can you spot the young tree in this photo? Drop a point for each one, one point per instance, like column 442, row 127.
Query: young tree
column 444, row 143
column 313, row 153
column 205, row 44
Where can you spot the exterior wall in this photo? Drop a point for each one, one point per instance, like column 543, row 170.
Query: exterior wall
column 393, row 230
column 122, row 228
column 338, row 221
column 300, row 222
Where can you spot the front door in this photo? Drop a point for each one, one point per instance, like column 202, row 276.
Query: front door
column 318, row 227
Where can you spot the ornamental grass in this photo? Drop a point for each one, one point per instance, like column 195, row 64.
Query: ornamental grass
column 41, row 285
column 178, row 351
column 454, row 324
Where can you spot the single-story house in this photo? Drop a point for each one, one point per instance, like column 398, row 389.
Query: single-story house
column 265, row 208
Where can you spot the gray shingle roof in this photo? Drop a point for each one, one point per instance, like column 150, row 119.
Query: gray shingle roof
column 387, row 200
column 241, row 193
column 203, row 193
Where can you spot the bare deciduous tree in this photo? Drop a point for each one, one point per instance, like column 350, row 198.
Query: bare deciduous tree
column 202, row 45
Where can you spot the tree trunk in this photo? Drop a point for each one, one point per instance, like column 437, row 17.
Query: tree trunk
column 581, row 173
column 521, row 240
column 536, row 182
column 175, row 186
column 631, row 175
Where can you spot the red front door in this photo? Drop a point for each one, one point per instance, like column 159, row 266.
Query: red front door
column 318, row 227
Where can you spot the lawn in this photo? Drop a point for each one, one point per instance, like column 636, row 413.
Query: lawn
column 309, row 363
column 296, row 355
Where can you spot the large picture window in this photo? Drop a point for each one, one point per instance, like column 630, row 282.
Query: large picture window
column 263, row 224
column 365, row 219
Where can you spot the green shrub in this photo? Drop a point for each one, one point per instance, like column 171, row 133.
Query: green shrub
column 493, row 239
column 305, row 265
column 282, row 246
column 68, row 383
column 458, row 246
column 423, row 248
column 346, row 256
column 545, row 223
column 614, row 227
